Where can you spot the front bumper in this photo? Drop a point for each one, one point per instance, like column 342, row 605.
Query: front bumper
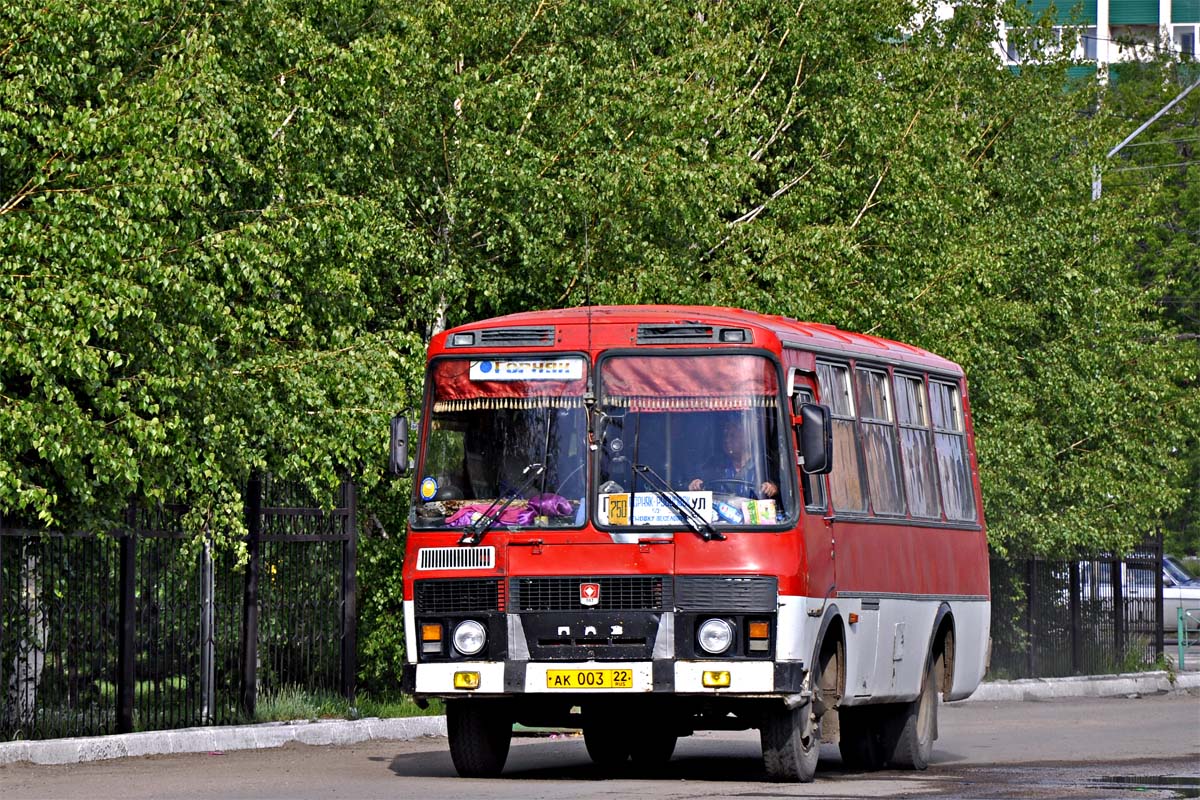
column 664, row 676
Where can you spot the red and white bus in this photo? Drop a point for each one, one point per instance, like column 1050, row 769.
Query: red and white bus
column 646, row 521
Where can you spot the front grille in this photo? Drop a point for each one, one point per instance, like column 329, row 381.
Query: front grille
column 456, row 558
column 591, row 635
column 458, row 596
column 726, row 593
column 617, row 593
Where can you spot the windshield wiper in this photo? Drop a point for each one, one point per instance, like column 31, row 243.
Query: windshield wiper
column 478, row 529
column 679, row 504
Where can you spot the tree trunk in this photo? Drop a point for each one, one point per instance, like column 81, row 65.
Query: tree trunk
column 31, row 646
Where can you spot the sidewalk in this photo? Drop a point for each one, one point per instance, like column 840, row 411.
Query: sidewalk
column 1134, row 683
column 342, row 732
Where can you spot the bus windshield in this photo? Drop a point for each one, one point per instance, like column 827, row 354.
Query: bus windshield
column 504, row 434
column 700, row 429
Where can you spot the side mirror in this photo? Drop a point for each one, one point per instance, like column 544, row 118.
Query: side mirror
column 398, row 450
column 816, row 439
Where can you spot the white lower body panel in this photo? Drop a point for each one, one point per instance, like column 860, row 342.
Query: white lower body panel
column 439, row 678
column 888, row 647
column 886, row 652
column 745, row 677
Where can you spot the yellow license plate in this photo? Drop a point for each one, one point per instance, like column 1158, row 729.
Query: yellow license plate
column 589, row 679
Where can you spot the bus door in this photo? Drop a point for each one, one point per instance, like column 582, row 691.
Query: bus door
column 816, row 522
column 820, row 542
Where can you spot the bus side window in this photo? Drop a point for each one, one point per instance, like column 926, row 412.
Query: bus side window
column 812, row 485
column 847, row 482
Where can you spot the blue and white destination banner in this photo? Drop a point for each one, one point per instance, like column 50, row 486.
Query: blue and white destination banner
column 646, row 508
column 528, row 369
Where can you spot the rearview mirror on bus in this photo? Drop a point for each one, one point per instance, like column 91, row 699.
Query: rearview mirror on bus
column 816, row 439
column 398, row 450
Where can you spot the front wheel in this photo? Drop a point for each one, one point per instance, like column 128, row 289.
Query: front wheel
column 791, row 744
column 652, row 748
column 608, row 743
column 480, row 734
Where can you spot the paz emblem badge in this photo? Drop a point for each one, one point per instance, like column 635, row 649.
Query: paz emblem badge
column 589, row 594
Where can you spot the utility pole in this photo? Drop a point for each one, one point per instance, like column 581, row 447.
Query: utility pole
column 1097, row 186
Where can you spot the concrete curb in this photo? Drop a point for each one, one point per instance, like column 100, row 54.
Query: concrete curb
column 1137, row 683
column 204, row 740
column 277, row 734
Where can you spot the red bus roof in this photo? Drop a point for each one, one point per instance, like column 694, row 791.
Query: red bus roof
column 787, row 332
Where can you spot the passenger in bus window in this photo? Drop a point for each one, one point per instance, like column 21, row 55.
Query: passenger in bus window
column 741, row 473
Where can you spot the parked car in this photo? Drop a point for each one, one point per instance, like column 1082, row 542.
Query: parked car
column 1180, row 590
column 1178, row 572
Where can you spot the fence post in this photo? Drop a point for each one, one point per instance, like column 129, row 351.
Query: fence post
column 207, row 638
column 1076, row 619
column 1118, row 595
column 1159, row 643
column 349, row 588
column 254, row 500
column 1031, row 614
column 126, row 614
column 4, row 627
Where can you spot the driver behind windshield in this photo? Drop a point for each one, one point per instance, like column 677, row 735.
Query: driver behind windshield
column 736, row 471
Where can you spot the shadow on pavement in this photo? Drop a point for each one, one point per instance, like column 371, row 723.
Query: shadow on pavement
column 698, row 760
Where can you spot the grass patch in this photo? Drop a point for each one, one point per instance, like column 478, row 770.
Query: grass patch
column 293, row 702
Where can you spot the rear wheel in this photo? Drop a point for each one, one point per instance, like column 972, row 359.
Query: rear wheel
column 915, row 727
column 480, row 734
column 791, row 744
column 862, row 735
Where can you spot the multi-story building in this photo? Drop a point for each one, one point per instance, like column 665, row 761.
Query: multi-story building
column 1111, row 31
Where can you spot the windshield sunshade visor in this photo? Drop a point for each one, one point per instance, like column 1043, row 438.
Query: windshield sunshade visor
column 492, row 384
column 697, row 383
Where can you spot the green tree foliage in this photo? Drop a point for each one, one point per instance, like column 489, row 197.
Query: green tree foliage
column 835, row 163
column 190, row 253
column 1162, row 167
column 226, row 228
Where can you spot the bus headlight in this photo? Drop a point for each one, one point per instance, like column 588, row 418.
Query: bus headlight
column 469, row 637
column 715, row 636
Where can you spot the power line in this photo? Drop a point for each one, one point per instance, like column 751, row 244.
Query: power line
column 1152, row 120
column 1155, row 166
column 1163, row 141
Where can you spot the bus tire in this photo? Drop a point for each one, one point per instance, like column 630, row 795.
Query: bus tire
column 653, row 748
column 790, row 755
column 862, row 738
column 915, row 726
column 608, row 745
column 480, row 735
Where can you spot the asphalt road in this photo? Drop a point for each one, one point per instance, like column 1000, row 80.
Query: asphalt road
column 1088, row 748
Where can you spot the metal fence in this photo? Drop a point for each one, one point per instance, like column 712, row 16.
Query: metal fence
column 1096, row 614
column 149, row 629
